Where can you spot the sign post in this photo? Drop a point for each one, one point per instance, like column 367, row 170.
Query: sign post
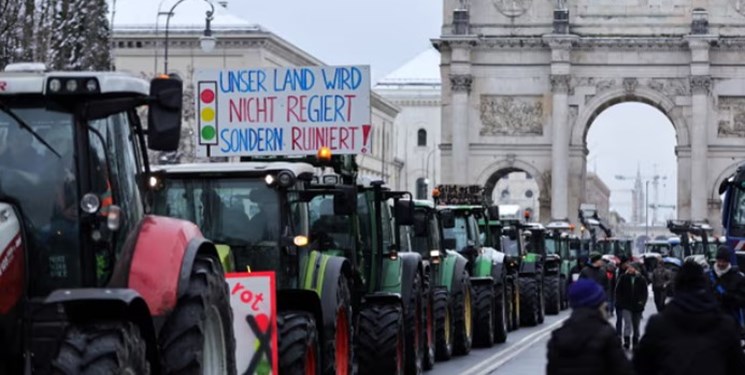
column 283, row 111
column 254, row 306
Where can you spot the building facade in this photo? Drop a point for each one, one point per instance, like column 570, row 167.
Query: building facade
column 598, row 194
column 521, row 189
column 139, row 48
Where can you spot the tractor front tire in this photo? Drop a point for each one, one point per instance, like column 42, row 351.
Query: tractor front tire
column 541, row 300
column 381, row 340
column 552, row 294
column 512, row 307
column 429, row 333
column 563, row 292
column 102, row 348
column 414, row 328
column 529, row 301
column 463, row 316
column 501, row 316
column 483, row 315
column 201, row 322
column 338, row 339
column 444, row 328
column 298, row 343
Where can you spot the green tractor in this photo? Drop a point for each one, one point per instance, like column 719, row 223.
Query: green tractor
column 461, row 208
column 559, row 254
column 253, row 211
column 445, row 271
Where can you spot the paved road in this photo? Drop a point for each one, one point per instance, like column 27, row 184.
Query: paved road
column 524, row 353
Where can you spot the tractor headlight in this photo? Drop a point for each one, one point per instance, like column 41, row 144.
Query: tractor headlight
column 55, row 85
column 90, row 203
column 269, row 179
column 91, row 85
column 71, row 85
column 286, row 178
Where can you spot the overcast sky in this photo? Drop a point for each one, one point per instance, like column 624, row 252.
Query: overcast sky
column 387, row 33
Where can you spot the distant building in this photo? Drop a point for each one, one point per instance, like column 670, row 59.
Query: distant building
column 598, row 194
column 139, row 40
column 521, row 189
column 415, row 89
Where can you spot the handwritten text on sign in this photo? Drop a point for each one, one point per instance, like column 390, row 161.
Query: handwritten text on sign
column 283, row 111
column 254, row 307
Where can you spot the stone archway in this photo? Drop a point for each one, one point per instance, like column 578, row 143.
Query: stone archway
column 526, row 85
column 496, row 171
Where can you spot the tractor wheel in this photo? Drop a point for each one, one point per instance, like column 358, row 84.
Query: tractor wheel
column 501, row 320
column 552, row 294
column 483, row 315
column 529, row 301
column 338, row 340
column 563, row 293
column 103, row 348
column 298, row 344
column 413, row 326
column 541, row 300
column 462, row 316
column 511, row 307
column 444, row 328
column 197, row 337
column 429, row 324
column 381, row 340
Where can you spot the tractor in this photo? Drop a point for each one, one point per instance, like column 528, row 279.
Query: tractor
column 486, row 268
column 253, row 211
column 91, row 282
column 445, row 276
column 558, row 255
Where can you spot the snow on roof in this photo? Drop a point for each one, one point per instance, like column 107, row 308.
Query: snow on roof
column 137, row 15
column 423, row 69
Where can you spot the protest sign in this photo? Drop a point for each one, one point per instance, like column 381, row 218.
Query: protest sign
column 283, row 111
column 254, row 305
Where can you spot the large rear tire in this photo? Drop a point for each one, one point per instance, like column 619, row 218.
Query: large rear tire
column 553, row 295
column 463, row 315
column 444, row 327
column 529, row 301
column 414, row 328
column 197, row 337
column 563, row 289
column 381, row 340
column 338, row 339
column 541, row 300
column 483, row 315
column 501, row 318
column 512, row 318
column 298, row 344
column 429, row 332
column 102, row 348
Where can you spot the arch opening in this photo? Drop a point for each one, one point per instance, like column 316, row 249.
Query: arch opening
column 515, row 186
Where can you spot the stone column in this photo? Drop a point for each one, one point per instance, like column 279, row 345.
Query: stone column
column 560, row 146
column 461, row 86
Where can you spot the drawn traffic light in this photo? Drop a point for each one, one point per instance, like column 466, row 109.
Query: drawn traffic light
column 207, row 113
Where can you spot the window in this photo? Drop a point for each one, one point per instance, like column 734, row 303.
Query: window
column 421, row 188
column 421, row 137
column 529, row 194
column 505, row 194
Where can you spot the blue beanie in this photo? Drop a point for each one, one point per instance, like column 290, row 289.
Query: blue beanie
column 586, row 293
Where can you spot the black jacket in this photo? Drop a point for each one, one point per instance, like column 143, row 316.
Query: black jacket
column 631, row 296
column 692, row 336
column 595, row 273
column 729, row 289
column 586, row 344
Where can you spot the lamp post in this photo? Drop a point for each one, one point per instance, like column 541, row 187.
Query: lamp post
column 206, row 41
column 646, row 209
column 426, row 169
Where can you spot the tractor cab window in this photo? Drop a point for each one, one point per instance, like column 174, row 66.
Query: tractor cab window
column 420, row 241
column 473, row 230
column 737, row 212
column 459, row 233
column 510, row 246
column 329, row 231
column 551, row 246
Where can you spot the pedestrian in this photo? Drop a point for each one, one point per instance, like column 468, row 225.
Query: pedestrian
column 692, row 335
column 729, row 285
column 595, row 270
column 575, row 271
column 585, row 343
column 611, row 273
column 631, row 297
column 662, row 277
column 619, row 314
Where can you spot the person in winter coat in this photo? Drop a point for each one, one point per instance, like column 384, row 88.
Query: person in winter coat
column 619, row 314
column 729, row 285
column 662, row 277
column 692, row 335
column 595, row 270
column 631, row 297
column 586, row 344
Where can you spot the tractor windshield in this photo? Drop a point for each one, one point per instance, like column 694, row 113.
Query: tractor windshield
column 327, row 230
column 244, row 214
column 41, row 185
column 551, row 246
column 737, row 213
column 459, row 233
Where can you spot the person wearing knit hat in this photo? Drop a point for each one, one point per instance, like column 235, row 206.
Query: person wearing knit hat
column 692, row 335
column 729, row 285
column 595, row 270
column 586, row 344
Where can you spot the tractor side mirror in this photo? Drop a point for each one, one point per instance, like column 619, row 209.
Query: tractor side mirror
column 449, row 243
column 493, row 212
column 164, row 114
column 420, row 224
column 345, row 201
column 404, row 211
column 447, row 218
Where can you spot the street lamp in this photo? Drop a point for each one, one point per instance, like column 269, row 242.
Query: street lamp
column 207, row 42
column 646, row 209
column 426, row 169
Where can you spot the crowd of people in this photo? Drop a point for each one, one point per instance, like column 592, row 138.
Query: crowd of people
column 698, row 327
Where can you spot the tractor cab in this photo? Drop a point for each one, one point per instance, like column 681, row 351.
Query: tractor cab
column 696, row 241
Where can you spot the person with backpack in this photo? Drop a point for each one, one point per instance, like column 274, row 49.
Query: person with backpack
column 631, row 297
column 692, row 335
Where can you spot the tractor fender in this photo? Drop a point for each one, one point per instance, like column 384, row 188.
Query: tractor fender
column 411, row 264
column 488, row 280
column 335, row 267
column 528, row 268
column 115, row 304
column 302, row 300
column 461, row 265
column 447, row 269
column 490, row 263
column 382, row 298
column 157, row 261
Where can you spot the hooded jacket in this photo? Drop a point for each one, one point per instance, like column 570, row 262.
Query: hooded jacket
column 631, row 292
column 586, row 345
column 692, row 336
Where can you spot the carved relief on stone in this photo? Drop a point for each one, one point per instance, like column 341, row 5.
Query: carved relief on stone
column 560, row 83
column 671, row 87
column 731, row 117
column 739, row 6
column 514, row 116
column 512, row 8
column 700, row 84
column 461, row 82
column 605, row 84
column 630, row 84
column 572, row 115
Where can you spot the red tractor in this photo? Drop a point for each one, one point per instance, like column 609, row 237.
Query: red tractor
column 89, row 283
